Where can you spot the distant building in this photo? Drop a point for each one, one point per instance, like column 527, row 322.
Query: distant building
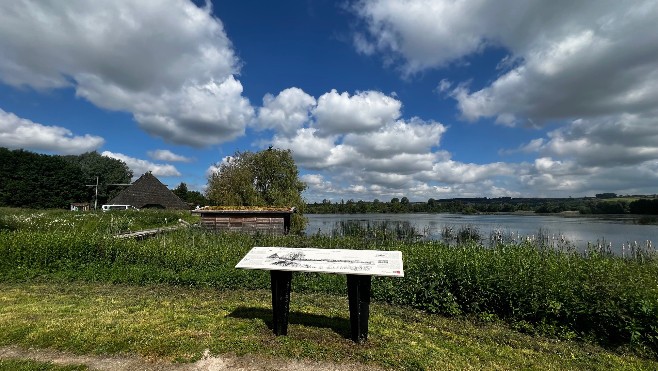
column 148, row 192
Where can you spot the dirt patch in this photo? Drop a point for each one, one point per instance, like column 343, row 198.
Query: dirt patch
column 207, row 363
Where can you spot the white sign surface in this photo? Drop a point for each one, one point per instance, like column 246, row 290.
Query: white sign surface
column 342, row 261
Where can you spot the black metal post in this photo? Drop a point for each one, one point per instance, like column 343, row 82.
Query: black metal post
column 280, row 300
column 358, row 293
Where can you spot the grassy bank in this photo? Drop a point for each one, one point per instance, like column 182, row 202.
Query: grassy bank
column 599, row 298
column 178, row 324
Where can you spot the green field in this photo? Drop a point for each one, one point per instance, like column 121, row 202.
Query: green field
column 468, row 306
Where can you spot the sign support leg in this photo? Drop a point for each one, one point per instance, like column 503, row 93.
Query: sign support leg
column 280, row 300
column 358, row 293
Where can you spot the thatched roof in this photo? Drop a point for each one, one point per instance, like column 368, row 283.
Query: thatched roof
column 149, row 192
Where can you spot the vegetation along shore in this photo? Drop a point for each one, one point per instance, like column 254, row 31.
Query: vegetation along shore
column 597, row 300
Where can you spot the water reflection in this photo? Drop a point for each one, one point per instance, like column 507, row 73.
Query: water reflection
column 618, row 235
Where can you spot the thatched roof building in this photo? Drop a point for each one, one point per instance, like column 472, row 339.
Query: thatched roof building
column 148, row 192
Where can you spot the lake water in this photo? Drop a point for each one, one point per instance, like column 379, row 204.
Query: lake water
column 577, row 230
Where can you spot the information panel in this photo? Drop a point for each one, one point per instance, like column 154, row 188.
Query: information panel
column 342, row 261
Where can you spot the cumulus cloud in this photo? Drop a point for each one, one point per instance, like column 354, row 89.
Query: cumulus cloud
column 399, row 157
column 16, row 132
column 567, row 60
column 425, row 33
column 400, row 163
column 554, row 177
column 139, row 166
column 310, row 150
column 360, row 113
column 317, row 183
column 169, row 62
column 590, row 68
column 415, row 136
column 358, row 146
column 616, row 152
column 625, row 139
column 286, row 112
column 449, row 171
column 167, row 155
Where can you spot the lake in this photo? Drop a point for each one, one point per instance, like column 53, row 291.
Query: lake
column 577, row 230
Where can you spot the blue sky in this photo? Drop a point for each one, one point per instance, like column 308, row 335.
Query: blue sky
column 376, row 98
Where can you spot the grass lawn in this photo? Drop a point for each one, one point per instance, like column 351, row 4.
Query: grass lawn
column 178, row 324
column 29, row 365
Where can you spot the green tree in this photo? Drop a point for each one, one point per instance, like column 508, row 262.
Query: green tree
column 181, row 191
column 109, row 171
column 191, row 197
column 265, row 178
column 38, row 181
column 196, row 198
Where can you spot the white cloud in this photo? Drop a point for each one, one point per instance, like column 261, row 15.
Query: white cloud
column 312, row 179
column 622, row 140
column 309, row 149
column 212, row 169
column 567, row 60
column 167, row 155
column 391, row 182
column 362, row 44
column 16, row 132
column 286, row 112
column 591, row 68
column 317, row 183
column 197, row 115
column 179, row 87
column 352, row 135
column 454, row 172
column 139, row 166
column 382, row 151
column 415, row 136
column 426, row 33
column 399, row 164
column 444, row 86
column 400, row 157
column 361, row 113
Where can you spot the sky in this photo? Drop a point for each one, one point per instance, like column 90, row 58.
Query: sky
column 375, row 98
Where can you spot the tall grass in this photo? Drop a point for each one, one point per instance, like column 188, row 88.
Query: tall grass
column 107, row 222
column 608, row 299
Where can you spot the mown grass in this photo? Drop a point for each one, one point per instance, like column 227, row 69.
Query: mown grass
column 30, row 365
column 598, row 298
column 178, row 324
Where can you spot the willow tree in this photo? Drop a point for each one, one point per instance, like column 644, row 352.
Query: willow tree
column 266, row 178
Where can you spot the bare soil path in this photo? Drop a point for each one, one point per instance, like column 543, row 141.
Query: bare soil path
column 207, row 363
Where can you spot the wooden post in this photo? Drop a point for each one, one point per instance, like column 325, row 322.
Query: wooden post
column 358, row 293
column 280, row 281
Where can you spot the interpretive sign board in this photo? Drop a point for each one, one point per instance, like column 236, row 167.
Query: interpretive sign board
column 341, row 261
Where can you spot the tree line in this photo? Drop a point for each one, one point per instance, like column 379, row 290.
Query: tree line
column 586, row 205
column 43, row 181
column 269, row 177
column 192, row 198
column 266, row 178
